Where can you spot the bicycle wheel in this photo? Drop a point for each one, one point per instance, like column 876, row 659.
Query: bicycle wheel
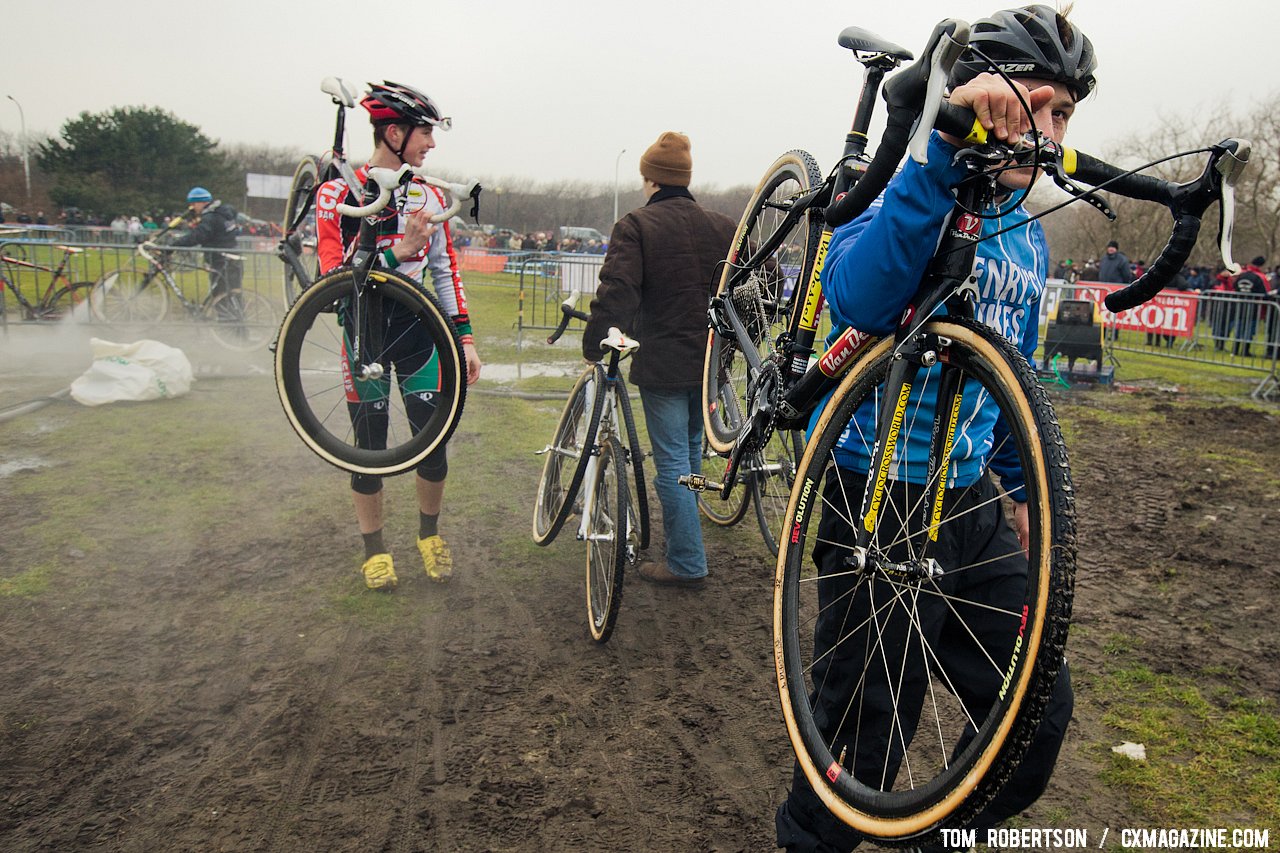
column 895, row 737
column 71, row 301
column 725, row 513
column 243, row 320
column 322, row 398
column 639, row 492
column 764, row 299
column 567, row 455
column 129, row 296
column 773, row 473
column 606, row 540
column 298, row 227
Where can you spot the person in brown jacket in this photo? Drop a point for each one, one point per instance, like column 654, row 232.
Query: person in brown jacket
column 656, row 281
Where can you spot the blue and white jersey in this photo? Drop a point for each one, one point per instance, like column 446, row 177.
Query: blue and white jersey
column 873, row 267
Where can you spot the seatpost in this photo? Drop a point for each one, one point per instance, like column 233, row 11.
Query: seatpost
column 340, row 129
column 855, row 141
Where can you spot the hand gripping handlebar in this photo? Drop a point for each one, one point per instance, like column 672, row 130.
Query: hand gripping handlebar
column 388, row 179
column 1186, row 202
column 915, row 105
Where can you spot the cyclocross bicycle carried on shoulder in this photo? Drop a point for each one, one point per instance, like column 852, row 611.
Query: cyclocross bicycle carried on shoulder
column 594, row 467
column 950, row 744
column 332, row 365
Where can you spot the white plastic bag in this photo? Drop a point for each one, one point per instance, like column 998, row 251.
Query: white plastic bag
column 142, row 370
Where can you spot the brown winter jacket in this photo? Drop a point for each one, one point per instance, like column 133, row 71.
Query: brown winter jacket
column 657, row 278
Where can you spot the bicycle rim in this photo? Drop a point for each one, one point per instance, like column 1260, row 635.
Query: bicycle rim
column 607, row 535
column 717, row 510
column 244, row 320
column 72, row 301
column 315, row 386
column 567, row 455
column 848, row 684
column 126, row 297
column 772, row 476
column 764, row 299
column 639, row 492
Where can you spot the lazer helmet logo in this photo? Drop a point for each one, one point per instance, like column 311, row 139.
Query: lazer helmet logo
column 1016, row 67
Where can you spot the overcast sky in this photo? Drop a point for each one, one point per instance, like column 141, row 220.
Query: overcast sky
column 551, row 91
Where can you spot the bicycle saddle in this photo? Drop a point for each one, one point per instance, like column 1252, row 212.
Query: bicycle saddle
column 619, row 341
column 859, row 40
column 339, row 90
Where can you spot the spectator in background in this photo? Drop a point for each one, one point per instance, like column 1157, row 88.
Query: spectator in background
column 654, row 285
column 216, row 229
column 1114, row 267
column 1250, row 288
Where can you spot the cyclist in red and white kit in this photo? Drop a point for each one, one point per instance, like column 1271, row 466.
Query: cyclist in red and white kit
column 404, row 121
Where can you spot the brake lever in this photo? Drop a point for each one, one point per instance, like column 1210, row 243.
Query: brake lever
column 475, row 203
column 1229, row 168
column 941, row 60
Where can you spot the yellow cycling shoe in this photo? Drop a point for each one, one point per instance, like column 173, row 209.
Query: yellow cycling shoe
column 379, row 572
column 436, row 558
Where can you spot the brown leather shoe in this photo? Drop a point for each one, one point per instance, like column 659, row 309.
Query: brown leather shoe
column 659, row 573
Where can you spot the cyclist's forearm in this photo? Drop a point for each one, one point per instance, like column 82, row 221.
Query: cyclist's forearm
column 874, row 262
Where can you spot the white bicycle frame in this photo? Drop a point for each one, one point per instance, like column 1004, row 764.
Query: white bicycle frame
column 603, row 431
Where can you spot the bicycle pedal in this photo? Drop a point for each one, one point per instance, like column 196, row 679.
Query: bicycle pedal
column 698, row 483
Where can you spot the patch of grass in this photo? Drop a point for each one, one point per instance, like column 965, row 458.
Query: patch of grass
column 1209, row 760
column 373, row 607
column 28, row 583
column 1118, row 645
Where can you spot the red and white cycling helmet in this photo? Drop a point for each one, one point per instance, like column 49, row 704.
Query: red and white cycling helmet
column 395, row 103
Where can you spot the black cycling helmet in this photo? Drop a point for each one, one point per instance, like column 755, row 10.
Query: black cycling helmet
column 395, row 103
column 1033, row 41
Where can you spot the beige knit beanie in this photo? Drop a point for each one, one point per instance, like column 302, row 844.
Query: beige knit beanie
column 668, row 162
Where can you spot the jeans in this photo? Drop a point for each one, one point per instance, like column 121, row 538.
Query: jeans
column 674, row 420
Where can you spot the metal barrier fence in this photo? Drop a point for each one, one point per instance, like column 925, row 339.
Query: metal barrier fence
column 91, row 262
column 1240, row 331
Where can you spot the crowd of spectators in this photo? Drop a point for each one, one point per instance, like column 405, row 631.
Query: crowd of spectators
column 1232, row 318
column 505, row 240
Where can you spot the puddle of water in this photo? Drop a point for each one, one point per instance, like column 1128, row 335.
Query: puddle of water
column 28, row 463
column 512, row 372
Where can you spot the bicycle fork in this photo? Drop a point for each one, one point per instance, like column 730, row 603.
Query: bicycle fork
column 911, row 366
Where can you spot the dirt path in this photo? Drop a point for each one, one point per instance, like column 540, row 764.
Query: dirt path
column 191, row 662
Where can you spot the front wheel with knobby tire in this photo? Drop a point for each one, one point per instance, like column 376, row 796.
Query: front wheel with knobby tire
column 914, row 671
column 338, row 348
column 299, row 219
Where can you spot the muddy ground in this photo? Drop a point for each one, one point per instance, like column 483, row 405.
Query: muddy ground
column 190, row 661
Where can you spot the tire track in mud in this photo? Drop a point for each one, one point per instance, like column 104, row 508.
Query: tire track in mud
column 299, row 763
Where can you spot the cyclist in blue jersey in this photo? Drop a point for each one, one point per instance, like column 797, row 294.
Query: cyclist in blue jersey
column 873, row 266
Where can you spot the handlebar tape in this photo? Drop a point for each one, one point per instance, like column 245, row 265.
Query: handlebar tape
column 569, row 314
column 1186, row 229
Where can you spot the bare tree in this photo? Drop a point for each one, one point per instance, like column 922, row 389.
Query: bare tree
column 1141, row 228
